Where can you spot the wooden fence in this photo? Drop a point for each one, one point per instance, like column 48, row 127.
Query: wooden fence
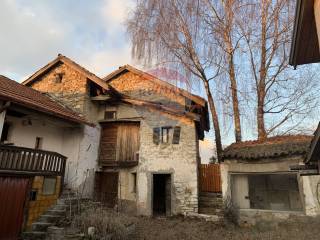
column 210, row 178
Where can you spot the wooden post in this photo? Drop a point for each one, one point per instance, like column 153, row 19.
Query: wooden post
column 317, row 16
column 2, row 116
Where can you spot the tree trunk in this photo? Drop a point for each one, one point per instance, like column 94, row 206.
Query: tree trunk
column 235, row 101
column 215, row 121
column 261, row 85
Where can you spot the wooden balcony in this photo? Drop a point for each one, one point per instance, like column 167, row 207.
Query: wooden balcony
column 32, row 161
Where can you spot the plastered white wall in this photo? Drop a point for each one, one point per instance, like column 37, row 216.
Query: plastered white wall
column 309, row 186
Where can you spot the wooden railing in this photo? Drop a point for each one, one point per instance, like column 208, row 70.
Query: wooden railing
column 14, row 158
column 210, row 178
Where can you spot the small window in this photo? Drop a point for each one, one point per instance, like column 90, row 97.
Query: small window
column 5, row 132
column 110, row 115
column 33, row 195
column 165, row 134
column 49, row 186
column 134, row 182
column 58, row 77
column 156, row 136
column 39, row 142
column 176, row 135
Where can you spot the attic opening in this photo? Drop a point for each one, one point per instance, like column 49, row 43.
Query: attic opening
column 273, row 191
column 161, row 194
column 95, row 90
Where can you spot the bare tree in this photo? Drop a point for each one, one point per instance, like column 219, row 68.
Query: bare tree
column 173, row 31
column 219, row 15
column 266, row 29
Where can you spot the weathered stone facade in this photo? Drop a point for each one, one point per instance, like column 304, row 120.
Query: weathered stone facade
column 178, row 160
column 139, row 87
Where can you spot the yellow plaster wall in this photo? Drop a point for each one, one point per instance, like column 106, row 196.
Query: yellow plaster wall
column 43, row 202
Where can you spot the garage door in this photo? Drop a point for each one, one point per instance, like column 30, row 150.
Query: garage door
column 13, row 191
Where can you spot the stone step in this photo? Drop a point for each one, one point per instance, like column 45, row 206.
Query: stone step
column 208, row 198
column 60, row 207
column 210, row 204
column 40, row 226
column 49, row 218
column 56, row 212
column 33, row 235
column 68, row 201
column 211, row 211
column 210, row 194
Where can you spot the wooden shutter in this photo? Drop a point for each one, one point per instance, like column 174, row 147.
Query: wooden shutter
column 156, row 136
column 176, row 135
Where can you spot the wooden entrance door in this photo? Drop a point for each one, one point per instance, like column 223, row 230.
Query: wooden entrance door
column 13, row 192
column 106, row 189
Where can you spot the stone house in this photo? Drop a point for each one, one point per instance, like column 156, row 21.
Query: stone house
column 144, row 145
column 36, row 133
column 261, row 178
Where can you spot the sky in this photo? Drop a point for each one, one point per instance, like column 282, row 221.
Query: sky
column 92, row 33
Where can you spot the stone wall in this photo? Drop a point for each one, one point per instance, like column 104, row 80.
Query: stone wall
column 179, row 160
column 138, row 87
column 42, row 202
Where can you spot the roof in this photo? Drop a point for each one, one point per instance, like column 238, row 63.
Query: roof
column 27, row 97
column 305, row 45
column 128, row 68
column 273, row 147
column 71, row 64
column 314, row 153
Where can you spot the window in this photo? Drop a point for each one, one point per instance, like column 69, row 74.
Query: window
column 176, row 135
column 165, row 134
column 58, row 77
column 5, row 132
column 110, row 115
column 33, row 195
column 39, row 142
column 278, row 192
column 49, row 186
column 134, row 182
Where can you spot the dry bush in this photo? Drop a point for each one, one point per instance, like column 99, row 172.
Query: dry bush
column 107, row 223
column 230, row 211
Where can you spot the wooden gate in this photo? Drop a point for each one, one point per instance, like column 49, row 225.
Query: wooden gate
column 210, row 178
column 13, row 192
column 106, row 188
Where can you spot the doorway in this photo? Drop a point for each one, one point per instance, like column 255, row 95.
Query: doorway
column 161, row 194
column 106, row 188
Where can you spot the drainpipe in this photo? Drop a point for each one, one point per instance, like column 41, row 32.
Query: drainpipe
column 3, row 110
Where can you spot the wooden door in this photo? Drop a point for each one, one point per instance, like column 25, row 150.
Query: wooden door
column 106, row 188
column 13, row 193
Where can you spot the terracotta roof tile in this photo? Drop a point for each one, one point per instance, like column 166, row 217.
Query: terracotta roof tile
column 277, row 146
column 30, row 98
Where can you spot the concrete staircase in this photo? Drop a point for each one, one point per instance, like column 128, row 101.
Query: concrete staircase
column 210, row 203
column 66, row 206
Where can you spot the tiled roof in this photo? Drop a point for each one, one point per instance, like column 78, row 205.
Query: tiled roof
column 278, row 146
column 30, row 98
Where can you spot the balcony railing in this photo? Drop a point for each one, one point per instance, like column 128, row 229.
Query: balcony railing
column 19, row 159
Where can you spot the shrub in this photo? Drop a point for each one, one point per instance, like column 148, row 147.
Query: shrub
column 107, row 224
